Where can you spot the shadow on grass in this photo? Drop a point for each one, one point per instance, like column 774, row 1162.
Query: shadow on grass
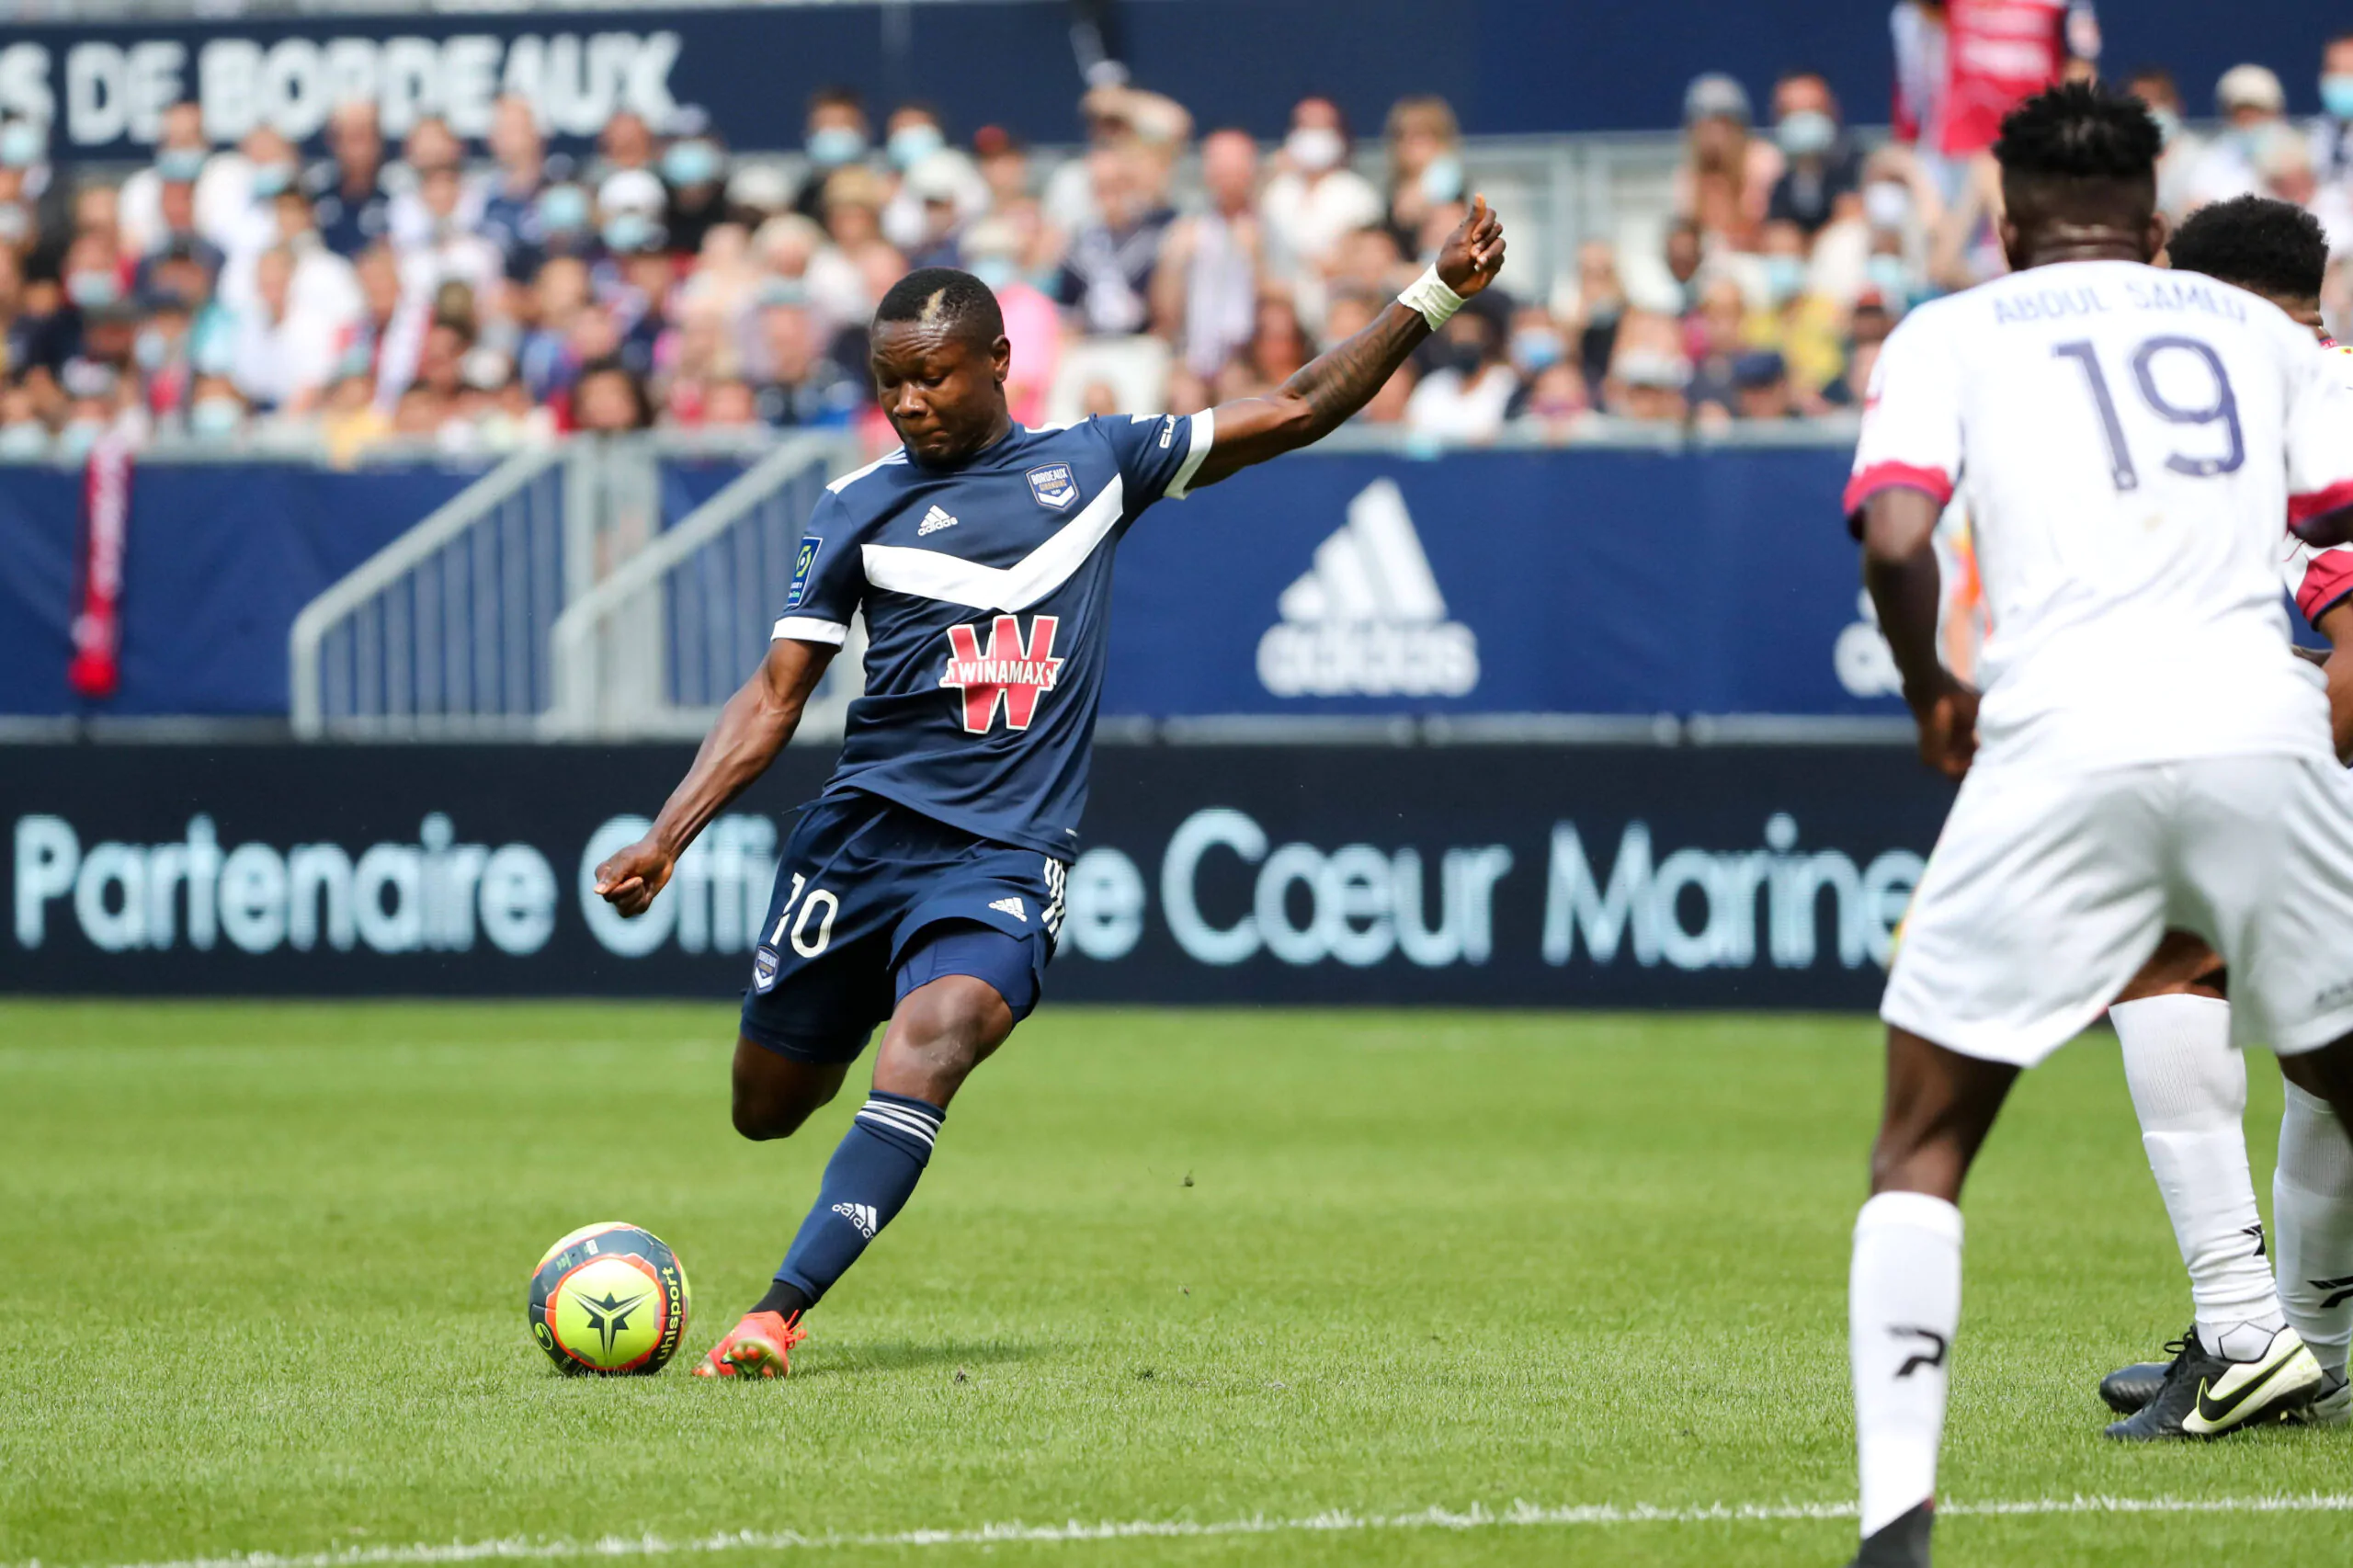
column 908, row 1356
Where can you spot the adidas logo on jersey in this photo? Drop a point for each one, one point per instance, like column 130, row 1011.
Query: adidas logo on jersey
column 934, row 521
column 862, row 1215
column 1013, row 907
column 1368, row 619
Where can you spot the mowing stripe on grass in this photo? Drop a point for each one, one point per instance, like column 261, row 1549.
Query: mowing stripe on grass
column 1475, row 1517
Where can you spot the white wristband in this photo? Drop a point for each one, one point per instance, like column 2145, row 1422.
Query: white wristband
column 1429, row 295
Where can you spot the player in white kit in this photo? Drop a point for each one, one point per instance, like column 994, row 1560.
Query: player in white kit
column 2147, row 754
column 2172, row 1025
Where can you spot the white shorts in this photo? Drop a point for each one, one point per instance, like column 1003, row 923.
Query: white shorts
column 2047, row 892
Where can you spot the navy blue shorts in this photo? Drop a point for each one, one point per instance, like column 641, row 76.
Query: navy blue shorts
column 873, row 899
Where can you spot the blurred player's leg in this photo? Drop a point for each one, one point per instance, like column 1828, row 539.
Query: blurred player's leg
column 2189, row 1090
column 2312, row 1211
column 1903, row 1301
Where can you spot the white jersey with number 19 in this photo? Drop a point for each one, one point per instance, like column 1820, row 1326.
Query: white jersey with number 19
column 2132, row 442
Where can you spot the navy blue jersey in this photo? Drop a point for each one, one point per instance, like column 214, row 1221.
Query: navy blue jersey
column 987, row 593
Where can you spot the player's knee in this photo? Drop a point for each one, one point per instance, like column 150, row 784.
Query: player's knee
column 942, row 1030
column 764, row 1111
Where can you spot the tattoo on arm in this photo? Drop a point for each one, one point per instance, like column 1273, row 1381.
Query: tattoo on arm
column 1336, row 384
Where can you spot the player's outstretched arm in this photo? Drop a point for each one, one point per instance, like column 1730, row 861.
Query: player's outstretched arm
column 751, row 730
column 1900, row 570
column 1335, row 384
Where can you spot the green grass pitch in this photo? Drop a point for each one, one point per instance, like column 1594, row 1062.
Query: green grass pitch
column 266, row 1263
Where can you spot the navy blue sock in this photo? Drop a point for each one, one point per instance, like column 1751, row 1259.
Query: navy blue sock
column 867, row 1181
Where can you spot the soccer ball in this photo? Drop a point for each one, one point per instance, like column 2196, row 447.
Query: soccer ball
column 609, row 1298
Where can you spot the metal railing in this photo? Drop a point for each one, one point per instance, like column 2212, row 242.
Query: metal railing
column 656, row 648
column 442, row 633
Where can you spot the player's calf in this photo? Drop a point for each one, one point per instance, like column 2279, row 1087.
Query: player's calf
column 772, row 1095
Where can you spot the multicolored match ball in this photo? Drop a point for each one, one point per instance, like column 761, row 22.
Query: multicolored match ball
column 609, row 1298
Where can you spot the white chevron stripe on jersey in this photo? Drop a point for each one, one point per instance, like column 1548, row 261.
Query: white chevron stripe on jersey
column 934, row 575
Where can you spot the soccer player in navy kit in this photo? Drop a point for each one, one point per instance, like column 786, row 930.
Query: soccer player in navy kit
column 924, row 886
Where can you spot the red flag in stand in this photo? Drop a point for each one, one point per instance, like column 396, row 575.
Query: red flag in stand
column 97, row 667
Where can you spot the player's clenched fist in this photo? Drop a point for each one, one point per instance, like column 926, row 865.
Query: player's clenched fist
column 630, row 879
column 1473, row 254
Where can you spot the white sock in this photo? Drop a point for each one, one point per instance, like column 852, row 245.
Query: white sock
column 1903, row 1305
column 2312, row 1205
column 2189, row 1089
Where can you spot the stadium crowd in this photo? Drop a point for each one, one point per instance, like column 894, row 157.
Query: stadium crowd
column 480, row 298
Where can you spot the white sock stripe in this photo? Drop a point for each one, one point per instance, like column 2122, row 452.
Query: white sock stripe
column 886, row 1116
column 921, row 1113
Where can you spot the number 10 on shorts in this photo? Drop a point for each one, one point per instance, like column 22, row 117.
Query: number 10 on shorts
column 807, row 945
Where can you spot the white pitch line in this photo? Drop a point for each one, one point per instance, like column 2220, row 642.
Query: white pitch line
column 517, row 1549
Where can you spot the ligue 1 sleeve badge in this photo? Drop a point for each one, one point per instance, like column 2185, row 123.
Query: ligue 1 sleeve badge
column 1054, row 485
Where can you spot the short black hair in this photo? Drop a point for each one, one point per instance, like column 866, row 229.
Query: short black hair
column 942, row 296
column 2079, row 146
column 2274, row 249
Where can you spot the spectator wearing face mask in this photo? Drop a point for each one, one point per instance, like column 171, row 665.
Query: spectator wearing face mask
column 346, row 189
column 1799, row 321
column 2254, row 107
column 1900, row 212
column 694, row 176
column 837, row 135
column 180, row 154
column 939, row 188
column 216, row 411
column 1647, row 373
column 451, row 249
column 2332, row 133
column 1467, row 386
column 1425, row 166
column 2154, row 86
column 1314, row 197
column 1822, row 173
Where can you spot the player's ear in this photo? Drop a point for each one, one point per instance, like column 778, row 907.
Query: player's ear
column 2160, row 231
column 1001, row 358
column 2013, row 242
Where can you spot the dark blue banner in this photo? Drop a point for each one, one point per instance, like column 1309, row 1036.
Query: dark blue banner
column 1509, row 66
column 1540, row 582
column 219, row 560
column 1513, row 876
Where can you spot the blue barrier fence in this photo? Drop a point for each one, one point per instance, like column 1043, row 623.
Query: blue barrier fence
column 1579, row 581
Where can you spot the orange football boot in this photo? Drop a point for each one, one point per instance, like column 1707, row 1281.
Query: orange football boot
column 759, row 1346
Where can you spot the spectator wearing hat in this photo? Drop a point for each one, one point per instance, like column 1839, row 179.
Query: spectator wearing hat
column 1116, row 116
column 1314, row 198
column 2254, row 107
column 1727, row 174
column 347, row 189
column 1821, row 177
